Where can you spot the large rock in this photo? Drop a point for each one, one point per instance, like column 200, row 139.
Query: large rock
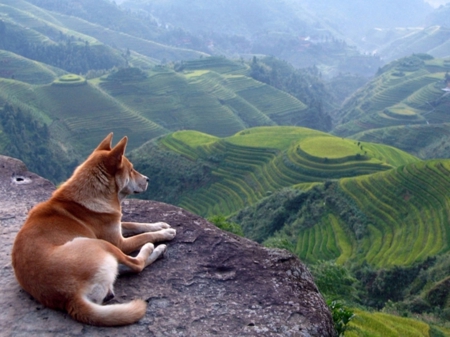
column 210, row 283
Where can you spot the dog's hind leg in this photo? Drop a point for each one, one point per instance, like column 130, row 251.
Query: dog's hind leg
column 157, row 253
column 101, row 286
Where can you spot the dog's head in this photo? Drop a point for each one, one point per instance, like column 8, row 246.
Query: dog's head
column 128, row 180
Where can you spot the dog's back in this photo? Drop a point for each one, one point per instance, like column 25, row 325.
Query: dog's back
column 66, row 255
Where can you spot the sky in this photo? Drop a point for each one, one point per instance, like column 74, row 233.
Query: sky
column 437, row 3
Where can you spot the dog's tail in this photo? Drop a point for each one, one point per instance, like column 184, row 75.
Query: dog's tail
column 88, row 312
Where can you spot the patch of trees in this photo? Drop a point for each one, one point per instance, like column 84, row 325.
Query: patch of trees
column 286, row 212
column 29, row 141
column 304, row 84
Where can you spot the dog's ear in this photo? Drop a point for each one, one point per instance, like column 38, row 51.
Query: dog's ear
column 119, row 150
column 105, row 144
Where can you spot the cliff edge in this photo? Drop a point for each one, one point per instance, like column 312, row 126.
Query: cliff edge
column 210, row 282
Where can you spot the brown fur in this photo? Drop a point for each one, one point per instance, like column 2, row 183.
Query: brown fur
column 67, row 253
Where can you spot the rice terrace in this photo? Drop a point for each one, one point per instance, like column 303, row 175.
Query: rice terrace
column 318, row 127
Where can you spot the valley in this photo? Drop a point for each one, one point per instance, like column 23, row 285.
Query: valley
column 304, row 127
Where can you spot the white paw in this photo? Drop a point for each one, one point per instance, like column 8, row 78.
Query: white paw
column 157, row 253
column 160, row 249
column 168, row 233
column 157, row 226
column 148, row 247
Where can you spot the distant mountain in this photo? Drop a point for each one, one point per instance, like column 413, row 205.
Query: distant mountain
column 268, row 27
column 430, row 35
column 433, row 40
column 354, row 18
column 76, row 44
column 440, row 16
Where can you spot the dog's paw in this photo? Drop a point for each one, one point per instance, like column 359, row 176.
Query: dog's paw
column 160, row 250
column 148, row 248
column 156, row 254
column 168, row 233
column 157, row 226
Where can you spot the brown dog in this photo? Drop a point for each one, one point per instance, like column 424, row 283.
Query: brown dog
column 68, row 252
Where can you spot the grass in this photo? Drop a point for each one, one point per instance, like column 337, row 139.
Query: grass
column 69, row 80
column 407, row 208
column 247, row 166
column 393, row 217
column 200, row 100
column 329, row 147
column 25, row 70
column 378, row 324
column 147, row 104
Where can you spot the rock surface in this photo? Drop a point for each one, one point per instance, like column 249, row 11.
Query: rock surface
column 210, row 283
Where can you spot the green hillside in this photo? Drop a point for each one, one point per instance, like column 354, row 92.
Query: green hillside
column 223, row 175
column 423, row 140
column 26, row 70
column 204, row 100
column 147, row 104
column 406, row 92
column 379, row 324
column 78, row 112
column 390, row 230
column 396, row 217
column 52, row 28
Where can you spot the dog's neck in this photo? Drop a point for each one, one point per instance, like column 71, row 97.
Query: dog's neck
column 97, row 193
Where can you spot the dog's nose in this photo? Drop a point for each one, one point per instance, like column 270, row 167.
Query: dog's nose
column 146, row 178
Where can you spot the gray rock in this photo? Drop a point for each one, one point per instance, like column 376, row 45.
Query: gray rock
column 210, row 283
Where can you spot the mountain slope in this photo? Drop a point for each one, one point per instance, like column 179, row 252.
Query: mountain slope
column 25, row 70
column 423, row 140
column 407, row 91
column 394, row 218
column 267, row 27
column 55, row 28
column 223, row 175
column 147, row 104
column 433, row 40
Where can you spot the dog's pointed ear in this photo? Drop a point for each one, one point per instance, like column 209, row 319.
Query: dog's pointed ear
column 105, row 144
column 119, row 150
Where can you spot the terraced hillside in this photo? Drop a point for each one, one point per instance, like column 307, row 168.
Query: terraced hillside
column 78, row 112
column 24, row 70
column 238, row 171
column 204, row 100
column 147, row 104
column 406, row 92
column 423, row 140
column 51, row 25
column 392, row 218
column 379, row 324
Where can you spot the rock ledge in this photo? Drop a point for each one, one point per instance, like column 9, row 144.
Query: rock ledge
column 210, row 283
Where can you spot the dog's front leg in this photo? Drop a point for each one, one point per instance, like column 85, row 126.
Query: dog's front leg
column 133, row 228
column 133, row 243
